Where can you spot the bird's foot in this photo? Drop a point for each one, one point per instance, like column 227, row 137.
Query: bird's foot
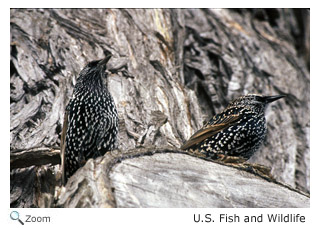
column 230, row 159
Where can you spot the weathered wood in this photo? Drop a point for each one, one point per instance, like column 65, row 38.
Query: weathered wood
column 90, row 186
column 169, row 177
column 35, row 156
column 171, row 70
column 175, row 180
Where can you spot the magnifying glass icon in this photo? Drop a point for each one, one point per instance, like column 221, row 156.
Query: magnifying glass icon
column 14, row 215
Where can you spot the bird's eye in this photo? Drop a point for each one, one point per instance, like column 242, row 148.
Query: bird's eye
column 260, row 99
column 93, row 63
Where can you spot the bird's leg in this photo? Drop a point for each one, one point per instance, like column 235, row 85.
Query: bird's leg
column 260, row 170
column 257, row 169
column 196, row 153
column 240, row 163
column 230, row 159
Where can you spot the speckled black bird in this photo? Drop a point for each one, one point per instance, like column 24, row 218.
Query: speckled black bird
column 91, row 120
column 237, row 131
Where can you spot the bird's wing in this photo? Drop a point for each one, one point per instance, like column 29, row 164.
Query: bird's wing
column 88, row 145
column 108, row 124
column 63, row 147
column 94, row 138
column 210, row 129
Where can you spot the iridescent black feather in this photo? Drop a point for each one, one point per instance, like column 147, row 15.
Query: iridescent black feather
column 91, row 122
column 237, row 131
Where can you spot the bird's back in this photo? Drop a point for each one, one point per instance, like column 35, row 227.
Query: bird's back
column 237, row 131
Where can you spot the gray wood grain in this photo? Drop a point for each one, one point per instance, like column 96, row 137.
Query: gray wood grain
column 176, row 180
column 171, row 70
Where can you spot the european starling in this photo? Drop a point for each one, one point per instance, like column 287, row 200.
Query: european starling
column 91, row 120
column 237, row 131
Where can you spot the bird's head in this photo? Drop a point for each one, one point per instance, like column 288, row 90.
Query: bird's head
column 255, row 102
column 93, row 74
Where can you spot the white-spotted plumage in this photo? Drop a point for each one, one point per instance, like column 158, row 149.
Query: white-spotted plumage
column 92, row 122
column 237, row 131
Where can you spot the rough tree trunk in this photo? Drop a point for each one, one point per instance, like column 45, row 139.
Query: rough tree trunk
column 171, row 71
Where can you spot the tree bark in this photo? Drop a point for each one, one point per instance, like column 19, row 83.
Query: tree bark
column 171, row 70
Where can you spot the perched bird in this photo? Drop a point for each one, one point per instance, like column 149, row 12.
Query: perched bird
column 91, row 120
column 237, row 131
